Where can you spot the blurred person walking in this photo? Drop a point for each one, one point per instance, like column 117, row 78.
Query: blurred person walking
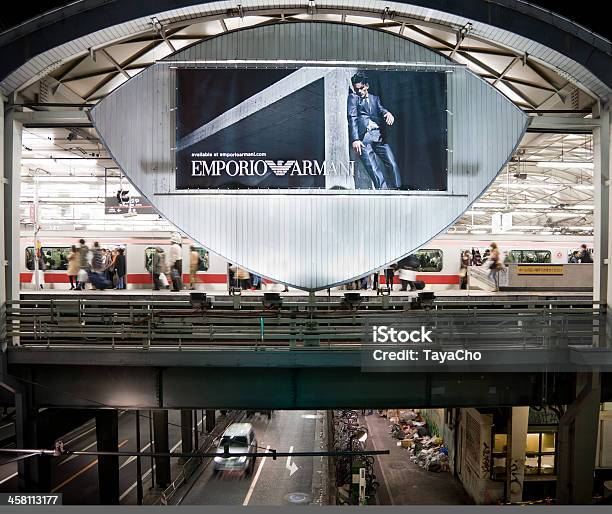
column 83, row 264
column 156, row 268
column 176, row 263
column 194, row 266
column 73, row 267
column 494, row 264
column 98, row 261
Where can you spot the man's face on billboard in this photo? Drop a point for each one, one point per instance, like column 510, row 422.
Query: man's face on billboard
column 361, row 89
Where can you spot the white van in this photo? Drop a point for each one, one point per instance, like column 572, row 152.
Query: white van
column 237, row 438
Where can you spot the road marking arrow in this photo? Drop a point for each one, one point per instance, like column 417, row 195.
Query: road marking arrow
column 291, row 466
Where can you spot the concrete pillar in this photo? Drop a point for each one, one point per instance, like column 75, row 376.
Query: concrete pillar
column 518, row 423
column 602, row 287
column 34, row 473
column 162, row 464
column 210, row 420
column 336, row 87
column 186, row 431
column 3, row 248
column 577, row 442
column 107, row 435
column 11, row 194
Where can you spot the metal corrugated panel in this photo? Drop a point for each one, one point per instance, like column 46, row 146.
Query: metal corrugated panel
column 309, row 241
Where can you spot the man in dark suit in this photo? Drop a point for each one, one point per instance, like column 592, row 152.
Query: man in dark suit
column 367, row 119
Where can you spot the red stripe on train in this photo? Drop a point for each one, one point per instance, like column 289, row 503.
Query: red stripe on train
column 219, row 278
column 132, row 278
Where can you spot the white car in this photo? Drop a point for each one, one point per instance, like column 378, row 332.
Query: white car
column 237, row 438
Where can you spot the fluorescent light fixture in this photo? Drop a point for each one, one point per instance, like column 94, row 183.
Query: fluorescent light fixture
column 543, row 185
column 565, row 165
column 51, row 178
column 488, row 205
column 533, row 206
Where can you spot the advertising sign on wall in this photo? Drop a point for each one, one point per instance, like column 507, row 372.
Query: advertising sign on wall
column 314, row 128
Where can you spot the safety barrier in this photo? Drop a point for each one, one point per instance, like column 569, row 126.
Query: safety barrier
column 79, row 323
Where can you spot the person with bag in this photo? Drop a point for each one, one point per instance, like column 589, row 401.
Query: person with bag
column 41, row 270
column 156, row 268
column 83, row 274
column 73, row 267
column 176, row 263
column 194, row 265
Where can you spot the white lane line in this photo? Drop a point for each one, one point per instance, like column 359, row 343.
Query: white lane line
column 133, row 457
column 8, row 478
column 66, row 443
column 7, row 425
column 69, row 458
column 255, row 479
column 380, row 464
column 131, row 488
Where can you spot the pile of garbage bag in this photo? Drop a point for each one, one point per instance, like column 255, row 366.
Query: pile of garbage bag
column 426, row 450
column 430, row 454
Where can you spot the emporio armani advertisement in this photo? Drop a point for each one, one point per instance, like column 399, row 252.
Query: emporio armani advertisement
column 311, row 128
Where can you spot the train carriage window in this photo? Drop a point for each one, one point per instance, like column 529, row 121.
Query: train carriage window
column 531, row 256
column 149, row 252
column 430, row 260
column 204, row 260
column 55, row 258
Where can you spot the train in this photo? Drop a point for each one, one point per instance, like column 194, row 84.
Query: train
column 439, row 260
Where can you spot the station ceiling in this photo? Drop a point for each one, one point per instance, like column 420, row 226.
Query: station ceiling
column 543, row 197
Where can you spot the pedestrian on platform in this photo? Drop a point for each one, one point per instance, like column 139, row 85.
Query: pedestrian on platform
column 584, row 255
column 194, row 266
column 176, row 262
column 494, row 264
column 83, row 264
column 120, row 268
column 73, row 267
column 41, row 270
column 156, row 268
column 98, row 261
column 407, row 277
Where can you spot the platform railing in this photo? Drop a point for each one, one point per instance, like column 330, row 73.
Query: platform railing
column 79, row 323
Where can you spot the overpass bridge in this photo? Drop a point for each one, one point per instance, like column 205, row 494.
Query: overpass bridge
column 177, row 352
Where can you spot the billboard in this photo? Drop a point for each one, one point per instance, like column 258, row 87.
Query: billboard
column 311, row 128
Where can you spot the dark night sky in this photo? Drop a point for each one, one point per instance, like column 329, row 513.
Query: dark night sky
column 588, row 13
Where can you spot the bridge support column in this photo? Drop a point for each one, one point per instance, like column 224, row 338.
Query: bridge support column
column 35, row 472
column 515, row 453
column 186, row 431
column 577, row 443
column 162, row 464
column 107, row 435
column 210, row 420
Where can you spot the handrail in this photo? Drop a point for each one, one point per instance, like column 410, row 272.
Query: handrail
column 149, row 325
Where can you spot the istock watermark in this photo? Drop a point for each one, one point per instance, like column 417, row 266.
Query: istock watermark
column 385, row 334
